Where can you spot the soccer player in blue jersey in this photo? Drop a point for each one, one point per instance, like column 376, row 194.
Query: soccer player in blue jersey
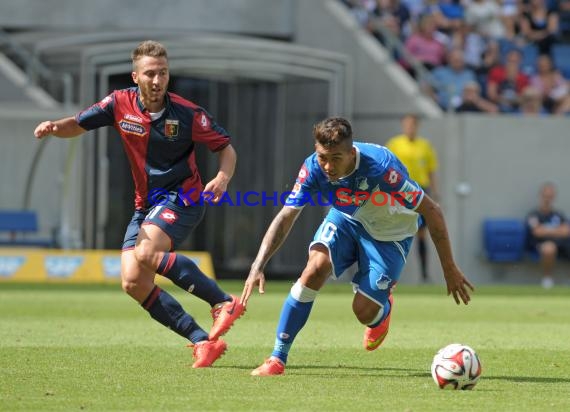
column 372, row 221
column 159, row 131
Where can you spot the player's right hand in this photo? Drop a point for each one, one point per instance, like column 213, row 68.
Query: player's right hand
column 45, row 129
column 255, row 278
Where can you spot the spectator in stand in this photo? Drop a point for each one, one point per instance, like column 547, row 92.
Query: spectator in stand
column 531, row 103
column 485, row 17
column 510, row 15
column 549, row 233
column 393, row 16
column 448, row 15
column 552, row 86
column 361, row 10
column 423, row 45
column 539, row 25
column 491, row 58
column 473, row 102
column 451, row 79
column 505, row 83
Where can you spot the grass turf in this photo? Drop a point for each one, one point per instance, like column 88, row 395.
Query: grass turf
column 92, row 348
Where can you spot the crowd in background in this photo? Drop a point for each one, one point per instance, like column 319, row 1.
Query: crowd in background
column 508, row 56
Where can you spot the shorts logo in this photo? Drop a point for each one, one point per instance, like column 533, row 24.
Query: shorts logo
column 132, row 128
column 171, row 128
column 392, row 177
column 383, row 282
column 168, row 216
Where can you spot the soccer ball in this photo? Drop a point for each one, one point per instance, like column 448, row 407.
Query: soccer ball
column 456, row 366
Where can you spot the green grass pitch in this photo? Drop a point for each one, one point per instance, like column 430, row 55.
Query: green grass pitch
column 93, row 348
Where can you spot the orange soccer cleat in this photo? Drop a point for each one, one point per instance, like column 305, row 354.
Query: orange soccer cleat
column 373, row 337
column 207, row 352
column 224, row 315
column 271, row 367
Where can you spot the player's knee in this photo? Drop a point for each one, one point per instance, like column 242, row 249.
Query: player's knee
column 146, row 255
column 548, row 249
column 129, row 287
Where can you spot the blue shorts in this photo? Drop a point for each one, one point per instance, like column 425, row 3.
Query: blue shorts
column 379, row 263
column 175, row 219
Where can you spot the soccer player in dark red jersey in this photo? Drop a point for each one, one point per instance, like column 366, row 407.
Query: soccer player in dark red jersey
column 159, row 130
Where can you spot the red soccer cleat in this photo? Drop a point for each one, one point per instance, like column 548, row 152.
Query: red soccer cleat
column 373, row 337
column 271, row 367
column 224, row 315
column 207, row 352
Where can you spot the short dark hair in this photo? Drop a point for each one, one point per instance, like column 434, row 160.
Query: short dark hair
column 333, row 131
column 148, row 48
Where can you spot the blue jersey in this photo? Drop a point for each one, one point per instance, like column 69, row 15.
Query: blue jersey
column 378, row 193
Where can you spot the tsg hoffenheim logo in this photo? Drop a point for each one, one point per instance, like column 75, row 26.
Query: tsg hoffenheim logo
column 62, row 266
column 10, row 265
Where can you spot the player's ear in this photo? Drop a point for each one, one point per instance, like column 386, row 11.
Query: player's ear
column 134, row 77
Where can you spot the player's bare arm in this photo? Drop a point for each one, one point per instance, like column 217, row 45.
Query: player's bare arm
column 219, row 184
column 66, row 127
column 274, row 237
column 457, row 284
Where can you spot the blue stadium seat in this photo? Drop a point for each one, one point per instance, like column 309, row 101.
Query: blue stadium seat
column 561, row 57
column 529, row 58
column 504, row 239
column 21, row 222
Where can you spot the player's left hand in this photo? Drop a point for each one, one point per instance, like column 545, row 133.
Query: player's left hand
column 458, row 285
column 215, row 188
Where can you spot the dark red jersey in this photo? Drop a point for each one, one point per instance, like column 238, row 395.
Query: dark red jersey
column 161, row 151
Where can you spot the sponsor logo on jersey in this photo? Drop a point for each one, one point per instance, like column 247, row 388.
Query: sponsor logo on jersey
column 171, row 128
column 392, row 177
column 133, row 118
column 9, row 265
column 62, row 266
column 132, row 127
column 303, row 173
column 103, row 103
column 168, row 216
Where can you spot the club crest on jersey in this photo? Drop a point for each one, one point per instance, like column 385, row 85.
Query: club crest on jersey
column 168, row 216
column 362, row 183
column 392, row 177
column 171, row 128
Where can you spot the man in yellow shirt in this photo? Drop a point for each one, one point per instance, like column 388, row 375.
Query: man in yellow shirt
column 420, row 158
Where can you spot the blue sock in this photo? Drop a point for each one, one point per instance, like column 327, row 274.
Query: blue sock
column 184, row 273
column 165, row 309
column 294, row 315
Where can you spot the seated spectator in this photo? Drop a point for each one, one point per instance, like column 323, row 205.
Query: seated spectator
column 548, row 233
column 473, row 102
column 539, row 25
column 393, row 16
column 423, row 45
column 485, row 17
column 448, row 16
column 451, row 79
column 564, row 19
column 491, row 58
column 530, row 103
column 505, row 83
column 552, row 86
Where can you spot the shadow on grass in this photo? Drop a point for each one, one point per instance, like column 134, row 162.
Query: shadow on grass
column 339, row 370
